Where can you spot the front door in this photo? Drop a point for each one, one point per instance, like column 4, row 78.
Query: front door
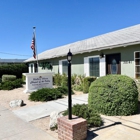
column 113, row 64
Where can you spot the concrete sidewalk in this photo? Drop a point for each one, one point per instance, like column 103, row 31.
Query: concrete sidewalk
column 13, row 128
column 117, row 128
column 44, row 109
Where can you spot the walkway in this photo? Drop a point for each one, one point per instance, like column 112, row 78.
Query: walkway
column 13, row 128
column 43, row 110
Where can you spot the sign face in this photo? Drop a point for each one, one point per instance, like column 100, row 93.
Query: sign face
column 38, row 82
column 35, row 81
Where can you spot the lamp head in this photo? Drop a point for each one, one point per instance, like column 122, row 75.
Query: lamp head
column 69, row 56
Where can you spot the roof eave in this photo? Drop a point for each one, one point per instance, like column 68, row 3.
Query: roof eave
column 90, row 50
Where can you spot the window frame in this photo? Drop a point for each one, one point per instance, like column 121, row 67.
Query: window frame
column 61, row 66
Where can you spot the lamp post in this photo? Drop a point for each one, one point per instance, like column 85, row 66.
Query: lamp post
column 69, row 58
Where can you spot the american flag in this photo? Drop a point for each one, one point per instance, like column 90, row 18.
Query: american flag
column 33, row 46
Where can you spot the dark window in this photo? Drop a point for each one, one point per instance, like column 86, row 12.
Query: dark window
column 31, row 68
column 137, row 64
column 94, row 66
column 35, row 67
column 65, row 67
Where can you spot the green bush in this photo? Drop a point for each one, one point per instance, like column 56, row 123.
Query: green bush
column 23, row 78
column 45, row 94
column 64, row 80
column 93, row 119
column 57, row 79
column 78, row 87
column 64, row 90
column 9, row 85
column 8, row 78
column 138, row 85
column 78, row 83
column 114, row 95
column 48, row 94
column 13, row 69
column 73, row 77
column 87, row 82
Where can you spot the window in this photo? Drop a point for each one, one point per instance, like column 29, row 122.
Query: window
column 65, row 67
column 94, row 66
column 31, row 68
column 137, row 64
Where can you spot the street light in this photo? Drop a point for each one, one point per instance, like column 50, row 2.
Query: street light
column 69, row 58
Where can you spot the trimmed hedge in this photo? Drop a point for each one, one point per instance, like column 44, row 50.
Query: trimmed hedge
column 87, row 82
column 13, row 69
column 8, row 78
column 92, row 117
column 114, row 95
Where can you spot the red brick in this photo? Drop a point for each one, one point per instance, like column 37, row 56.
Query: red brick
column 72, row 129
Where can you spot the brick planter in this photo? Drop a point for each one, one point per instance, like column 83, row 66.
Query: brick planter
column 75, row 129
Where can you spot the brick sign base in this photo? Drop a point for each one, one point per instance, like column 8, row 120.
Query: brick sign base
column 75, row 129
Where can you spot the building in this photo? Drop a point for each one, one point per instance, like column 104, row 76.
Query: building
column 116, row 52
column 11, row 61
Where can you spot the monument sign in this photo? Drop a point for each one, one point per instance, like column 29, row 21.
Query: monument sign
column 35, row 81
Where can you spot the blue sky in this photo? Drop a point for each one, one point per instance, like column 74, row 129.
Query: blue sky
column 59, row 22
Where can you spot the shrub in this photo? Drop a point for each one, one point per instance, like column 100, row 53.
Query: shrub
column 9, row 85
column 93, row 119
column 64, row 80
column 138, row 85
column 78, row 83
column 13, row 69
column 87, row 82
column 57, row 79
column 73, row 77
column 45, row 94
column 17, row 83
column 114, row 95
column 77, row 87
column 64, row 90
column 23, row 78
column 8, row 78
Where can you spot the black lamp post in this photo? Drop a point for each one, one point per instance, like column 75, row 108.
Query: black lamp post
column 69, row 58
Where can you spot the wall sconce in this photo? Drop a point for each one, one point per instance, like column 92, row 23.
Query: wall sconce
column 101, row 55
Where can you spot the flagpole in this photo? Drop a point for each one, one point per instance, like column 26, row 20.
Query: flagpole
column 35, row 46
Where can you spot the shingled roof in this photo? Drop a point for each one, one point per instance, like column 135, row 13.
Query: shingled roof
column 124, row 37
